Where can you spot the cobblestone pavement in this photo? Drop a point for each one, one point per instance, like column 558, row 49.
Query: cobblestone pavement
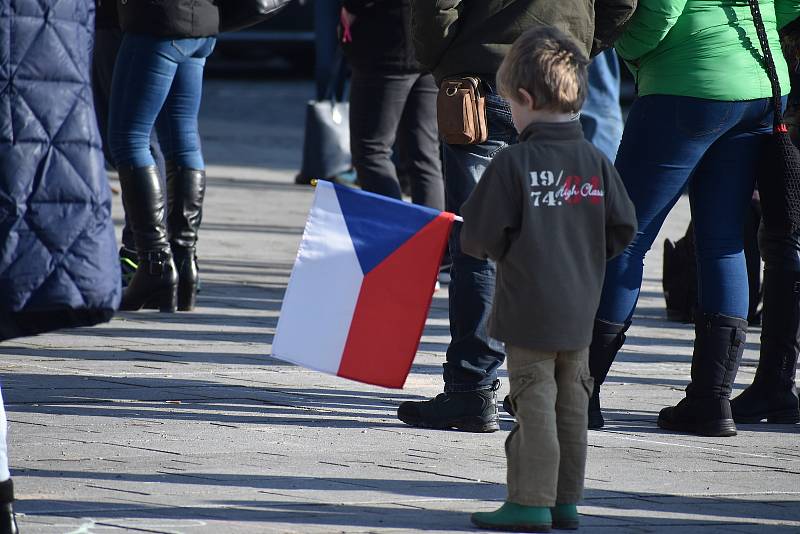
column 183, row 422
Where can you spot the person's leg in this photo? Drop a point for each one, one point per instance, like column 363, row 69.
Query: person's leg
column 186, row 177
column 574, row 387
column 473, row 357
column 655, row 165
column 8, row 523
column 532, row 447
column 718, row 215
column 720, row 194
column 773, row 394
column 142, row 79
column 601, row 115
column 753, row 260
column 181, row 107
column 107, row 42
column 376, row 105
column 420, row 136
column 143, row 75
column 4, row 474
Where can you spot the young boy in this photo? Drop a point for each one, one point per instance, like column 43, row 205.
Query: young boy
column 550, row 211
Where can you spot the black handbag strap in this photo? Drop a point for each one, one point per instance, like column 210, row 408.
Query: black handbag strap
column 769, row 64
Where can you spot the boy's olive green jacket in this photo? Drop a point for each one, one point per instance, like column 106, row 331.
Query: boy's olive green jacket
column 471, row 37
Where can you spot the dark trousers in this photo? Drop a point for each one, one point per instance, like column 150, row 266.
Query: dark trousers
column 386, row 108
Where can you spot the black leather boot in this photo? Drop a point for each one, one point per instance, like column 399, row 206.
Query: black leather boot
column 773, row 394
column 607, row 339
column 8, row 524
column 186, row 189
column 155, row 282
column 706, row 410
column 470, row 411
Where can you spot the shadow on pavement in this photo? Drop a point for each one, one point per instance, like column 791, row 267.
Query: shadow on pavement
column 721, row 511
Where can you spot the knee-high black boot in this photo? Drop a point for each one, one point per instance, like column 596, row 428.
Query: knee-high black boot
column 8, row 525
column 186, row 189
column 706, row 410
column 155, row 281
column 607, row 339
column 773, row 394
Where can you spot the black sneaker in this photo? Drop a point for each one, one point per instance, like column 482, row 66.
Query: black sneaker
column 470, row 411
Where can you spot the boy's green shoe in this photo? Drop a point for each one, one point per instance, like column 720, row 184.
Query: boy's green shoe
column 565, row 517
column 515, row 518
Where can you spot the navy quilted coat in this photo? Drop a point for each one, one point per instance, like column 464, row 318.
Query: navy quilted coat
column 58, row 261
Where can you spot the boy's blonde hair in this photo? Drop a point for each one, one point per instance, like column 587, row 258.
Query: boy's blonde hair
column 550, row 66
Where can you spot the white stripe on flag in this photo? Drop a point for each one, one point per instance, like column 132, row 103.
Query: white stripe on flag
column 323, row 290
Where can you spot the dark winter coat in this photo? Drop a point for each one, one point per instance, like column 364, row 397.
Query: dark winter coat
column 381, row 36
column 471, row 37
column 106, row 16
column 170, row 18
column 58, row 259
column 550, row 210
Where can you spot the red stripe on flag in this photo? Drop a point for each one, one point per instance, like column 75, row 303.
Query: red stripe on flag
column 392, row 308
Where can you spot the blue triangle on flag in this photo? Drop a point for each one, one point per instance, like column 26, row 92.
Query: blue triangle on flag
column 378, row 225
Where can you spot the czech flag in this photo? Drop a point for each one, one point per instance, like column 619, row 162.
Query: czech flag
column 361, row 285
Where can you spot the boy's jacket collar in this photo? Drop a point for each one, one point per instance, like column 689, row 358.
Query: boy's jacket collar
column 552, row 131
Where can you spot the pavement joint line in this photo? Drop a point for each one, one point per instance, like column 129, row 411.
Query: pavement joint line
column 82, row 442
column 443, row 475
column 682, row 445
column 136, row 529
column 118, row 489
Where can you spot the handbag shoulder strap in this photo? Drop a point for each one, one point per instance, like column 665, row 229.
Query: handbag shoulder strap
column 337, row 78
column 769, row 64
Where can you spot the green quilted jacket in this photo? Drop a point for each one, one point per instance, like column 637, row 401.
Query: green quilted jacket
column 704, row 48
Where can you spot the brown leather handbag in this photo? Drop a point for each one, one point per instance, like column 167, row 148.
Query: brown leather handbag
column 461, row 111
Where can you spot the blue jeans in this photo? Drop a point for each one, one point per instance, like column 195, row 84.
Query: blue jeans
column 473, row 357
column 157, row 75
column 601, row 116
column 713, row 146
